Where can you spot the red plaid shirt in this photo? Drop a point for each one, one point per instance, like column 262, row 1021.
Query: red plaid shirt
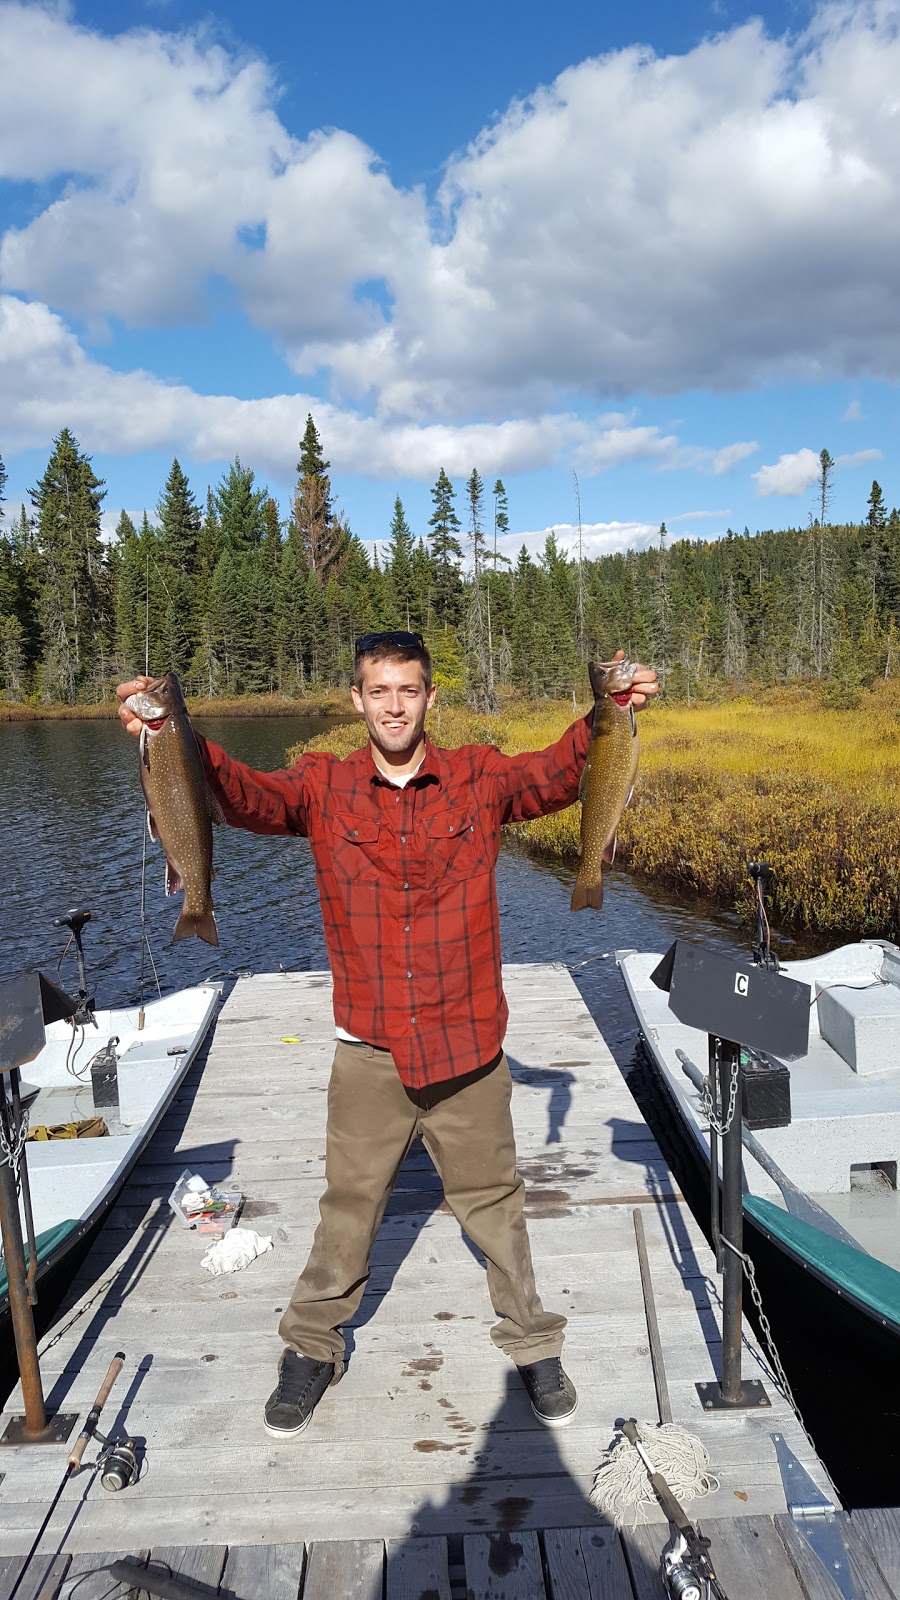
column 406, row 882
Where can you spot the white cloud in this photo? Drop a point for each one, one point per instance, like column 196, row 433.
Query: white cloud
column 639, row 224
column 853, row 412
column 797, row 472
column 700, row 516
column 858, row 458
column 791, row 474
column 598, row 538
column 47, row 381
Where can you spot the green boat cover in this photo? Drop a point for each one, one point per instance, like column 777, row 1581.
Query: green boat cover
column 855, row 1273
column 47, row 1243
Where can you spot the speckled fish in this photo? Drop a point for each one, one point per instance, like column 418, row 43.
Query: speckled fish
column 180, row 806
column 607, row 779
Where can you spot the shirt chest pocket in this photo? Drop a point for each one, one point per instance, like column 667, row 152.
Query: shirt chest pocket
column 454, row 846
column 355, row 854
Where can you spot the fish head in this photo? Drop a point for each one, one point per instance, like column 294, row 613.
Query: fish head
column 158, row 702
column 611, row 677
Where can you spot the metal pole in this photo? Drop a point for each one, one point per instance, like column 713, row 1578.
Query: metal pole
column 729, row 1057
column 20, row 1310
column 712, row 1080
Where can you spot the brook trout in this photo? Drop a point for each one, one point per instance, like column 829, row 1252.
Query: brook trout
column 180, row 805
column 607, row 779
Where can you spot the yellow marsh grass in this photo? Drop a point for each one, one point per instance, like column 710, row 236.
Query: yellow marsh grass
column 816, row 792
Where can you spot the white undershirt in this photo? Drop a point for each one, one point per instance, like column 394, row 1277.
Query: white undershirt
column 399, row 783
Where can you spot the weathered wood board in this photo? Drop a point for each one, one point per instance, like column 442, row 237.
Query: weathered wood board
column 429, row 1432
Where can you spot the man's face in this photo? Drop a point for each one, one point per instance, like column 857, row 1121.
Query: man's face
column 393, row 699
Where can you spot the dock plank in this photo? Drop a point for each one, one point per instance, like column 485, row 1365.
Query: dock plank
column 750, row 1559
column 199, row 1563
column 881, row 1532
column 817, row 1582
column 42, row 1576
column 417, row 1569
column 353, row 1569
column 263, row 1572
column 585, row 1564
column 87, row 1577
column 503, row 1566
column 643, row 1548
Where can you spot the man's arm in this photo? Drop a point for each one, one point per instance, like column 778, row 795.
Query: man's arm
column 262, row 802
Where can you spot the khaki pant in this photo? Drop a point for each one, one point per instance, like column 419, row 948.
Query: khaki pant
column 466, row 1128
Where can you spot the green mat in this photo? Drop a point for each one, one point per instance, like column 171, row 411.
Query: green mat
column 47, row 1242
column 854, row 1272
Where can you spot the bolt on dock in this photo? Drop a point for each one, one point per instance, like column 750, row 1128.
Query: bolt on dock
column 425, row 1462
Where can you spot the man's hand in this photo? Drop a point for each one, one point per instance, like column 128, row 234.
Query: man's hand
column 123, row 690
column 644, row 684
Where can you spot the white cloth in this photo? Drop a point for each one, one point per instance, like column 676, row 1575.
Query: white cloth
column 235, row 1250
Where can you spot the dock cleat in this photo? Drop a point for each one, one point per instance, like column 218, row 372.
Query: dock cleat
column 551, row 1392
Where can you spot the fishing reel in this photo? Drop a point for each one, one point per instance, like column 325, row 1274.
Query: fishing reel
column 117, row 1464
column 686, row 1569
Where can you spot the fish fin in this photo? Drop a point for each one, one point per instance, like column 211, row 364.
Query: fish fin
column 609, row 849
column 583, row 780
column 202, row 926
column 587, row 894
column 215, row 810
column 145, row 748
column 151, row 826
column 173, row 878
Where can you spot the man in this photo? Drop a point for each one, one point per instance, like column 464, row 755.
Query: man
column 405, row 838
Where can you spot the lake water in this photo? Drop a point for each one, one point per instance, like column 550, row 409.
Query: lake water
column 72, row 833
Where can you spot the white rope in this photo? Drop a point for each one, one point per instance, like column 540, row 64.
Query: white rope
column 622, row 1487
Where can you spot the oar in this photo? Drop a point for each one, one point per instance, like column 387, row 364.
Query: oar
column 798, row 1204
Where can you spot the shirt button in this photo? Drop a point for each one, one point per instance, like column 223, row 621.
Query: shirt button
column 409, row 974
column 403, row 838
column 406, row 886
column 413, row 1021
column 406, row 928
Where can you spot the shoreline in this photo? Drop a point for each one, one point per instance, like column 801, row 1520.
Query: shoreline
column 331, row 703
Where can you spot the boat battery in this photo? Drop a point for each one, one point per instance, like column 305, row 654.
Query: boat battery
column 765, row 1091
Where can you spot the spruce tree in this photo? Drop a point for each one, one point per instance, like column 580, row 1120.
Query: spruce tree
column 312, row 464
column 67, row 501
column 400, row 551
column 240, row 508
column 179, row 523
column 446, row 552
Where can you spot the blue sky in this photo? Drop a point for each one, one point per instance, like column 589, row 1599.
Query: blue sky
column 653, row 244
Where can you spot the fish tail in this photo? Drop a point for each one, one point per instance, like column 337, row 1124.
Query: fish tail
column 587, row 894
column 200, row 926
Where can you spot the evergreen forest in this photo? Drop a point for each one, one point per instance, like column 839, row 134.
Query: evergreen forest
column 239, row 598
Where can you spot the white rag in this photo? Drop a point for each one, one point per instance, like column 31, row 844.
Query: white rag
column 235, row 1250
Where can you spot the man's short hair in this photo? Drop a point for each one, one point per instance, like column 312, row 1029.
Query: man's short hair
column 393, row 645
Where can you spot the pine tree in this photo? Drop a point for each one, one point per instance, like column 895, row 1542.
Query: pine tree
column 312, row 464
column 240, row 508
column 67, row 501
column 179, row 523
column 446, row 552
column 501, row 520
column 400, row 552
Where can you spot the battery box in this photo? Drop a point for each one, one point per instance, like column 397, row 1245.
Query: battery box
column 765, row 1091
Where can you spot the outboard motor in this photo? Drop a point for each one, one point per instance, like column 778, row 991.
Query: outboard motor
column 75, row 920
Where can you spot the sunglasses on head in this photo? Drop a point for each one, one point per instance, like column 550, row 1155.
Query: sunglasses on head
column 406, row 641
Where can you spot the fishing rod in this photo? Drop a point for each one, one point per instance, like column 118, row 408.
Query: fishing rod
column 75, row 1459
column 685, row 1566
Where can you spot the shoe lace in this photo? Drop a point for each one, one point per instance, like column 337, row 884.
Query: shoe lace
column 293, row 1382
column 549, row 1376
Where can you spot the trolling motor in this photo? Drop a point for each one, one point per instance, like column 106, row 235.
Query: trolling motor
column 761, row 875
column 75, row 920
column 684, row 1565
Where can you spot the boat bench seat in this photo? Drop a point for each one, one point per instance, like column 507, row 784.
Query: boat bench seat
column 862, row 1025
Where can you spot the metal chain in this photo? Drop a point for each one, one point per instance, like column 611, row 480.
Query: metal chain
column 721, row 1128
column 781, row 1376
column 13, row 1152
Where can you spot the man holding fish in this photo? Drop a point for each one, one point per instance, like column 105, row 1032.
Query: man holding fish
column 405, row 838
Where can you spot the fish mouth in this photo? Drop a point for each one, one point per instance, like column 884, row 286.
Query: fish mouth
column 150, row 714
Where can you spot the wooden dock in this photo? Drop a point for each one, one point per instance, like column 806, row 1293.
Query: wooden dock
column 756, row 1558
column 429, row 1433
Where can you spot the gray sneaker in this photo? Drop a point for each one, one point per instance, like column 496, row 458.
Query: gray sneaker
column 301, row 1385
column 552, row 1394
